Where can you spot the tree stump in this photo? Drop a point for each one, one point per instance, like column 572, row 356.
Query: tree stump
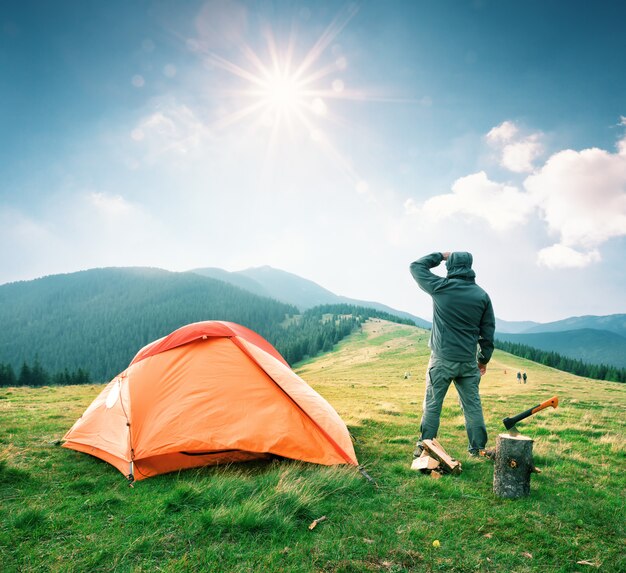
column 513, row 466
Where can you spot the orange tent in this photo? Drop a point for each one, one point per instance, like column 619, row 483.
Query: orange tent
column 209, row 393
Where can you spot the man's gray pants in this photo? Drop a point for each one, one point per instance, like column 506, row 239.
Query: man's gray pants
column 466, row 378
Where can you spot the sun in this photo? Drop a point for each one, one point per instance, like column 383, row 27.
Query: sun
column 283, row 93
column 276, row 87
column 277, row 95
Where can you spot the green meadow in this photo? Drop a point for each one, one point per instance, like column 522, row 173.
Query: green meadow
column 64, row 511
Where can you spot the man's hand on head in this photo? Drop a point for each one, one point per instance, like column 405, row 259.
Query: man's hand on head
column 445, row 255
column 482, row 368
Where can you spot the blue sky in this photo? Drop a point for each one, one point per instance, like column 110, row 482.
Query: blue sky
column 338, row 141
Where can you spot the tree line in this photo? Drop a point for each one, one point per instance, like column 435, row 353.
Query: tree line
column 37, row 375
column 320, row 328
column 560, row 362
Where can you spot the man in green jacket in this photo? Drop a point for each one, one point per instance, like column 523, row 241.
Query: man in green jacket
column 461, row 343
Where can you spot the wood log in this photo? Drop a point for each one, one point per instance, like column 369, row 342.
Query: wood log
column 425, row 463
column 513, row 466
column 435, row 450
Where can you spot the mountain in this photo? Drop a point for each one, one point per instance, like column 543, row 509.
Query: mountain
column 586, row 344
column 592, row 339
column 98, row 319
column 274, row 283
column 615, row 323
column 293, row 289
column 237, row 279
column 513, row 327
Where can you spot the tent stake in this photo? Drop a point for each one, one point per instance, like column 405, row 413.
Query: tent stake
column 367, row 476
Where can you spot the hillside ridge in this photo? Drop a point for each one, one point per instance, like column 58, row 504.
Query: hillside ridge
column 293, row 289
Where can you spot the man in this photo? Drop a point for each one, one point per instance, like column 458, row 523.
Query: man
column 461, row 343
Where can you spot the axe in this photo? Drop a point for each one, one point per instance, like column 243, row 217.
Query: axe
column 510, row 422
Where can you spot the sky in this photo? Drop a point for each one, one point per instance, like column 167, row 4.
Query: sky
column 337, row 141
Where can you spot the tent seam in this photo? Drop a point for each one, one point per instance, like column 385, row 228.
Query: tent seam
column 324, row 433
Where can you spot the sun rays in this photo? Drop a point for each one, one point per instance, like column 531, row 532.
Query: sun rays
column 278, row 95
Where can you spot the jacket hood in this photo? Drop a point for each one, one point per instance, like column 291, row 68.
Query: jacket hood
column 459, row 265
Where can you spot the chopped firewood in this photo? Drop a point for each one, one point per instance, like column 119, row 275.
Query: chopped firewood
column 435, row 450
column 316, row 521
column 586, row 562
column 424, row 463
column 435, row 474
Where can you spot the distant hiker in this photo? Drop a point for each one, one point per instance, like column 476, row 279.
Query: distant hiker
column 524, row 377
column 519, row 377
column 461, row 343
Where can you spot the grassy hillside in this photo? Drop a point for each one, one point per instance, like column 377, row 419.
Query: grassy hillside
column 65, row 511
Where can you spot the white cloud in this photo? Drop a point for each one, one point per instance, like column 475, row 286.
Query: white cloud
column 173, row 128
column 559, row 256
column 502, row 133
column 519, row 156
column 582, row 196
column 516, row 152
column 110, row 205
column 501, row 206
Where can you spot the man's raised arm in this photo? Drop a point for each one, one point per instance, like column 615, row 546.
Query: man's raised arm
column 420, row 270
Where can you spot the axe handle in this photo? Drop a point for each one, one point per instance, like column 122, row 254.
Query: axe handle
column 510, row 422
column 554, row 402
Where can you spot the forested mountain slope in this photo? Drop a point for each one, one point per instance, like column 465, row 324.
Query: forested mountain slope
column 586, row 344
column 293, row 289
column 98, row 319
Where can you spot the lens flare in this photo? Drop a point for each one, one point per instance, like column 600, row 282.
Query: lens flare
column 278, row 94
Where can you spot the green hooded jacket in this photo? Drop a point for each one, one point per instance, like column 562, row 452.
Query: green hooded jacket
column 463, row 318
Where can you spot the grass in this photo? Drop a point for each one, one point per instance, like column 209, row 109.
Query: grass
column 65, row 511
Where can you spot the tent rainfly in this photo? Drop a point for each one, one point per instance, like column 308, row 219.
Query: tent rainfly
column 209, row 393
